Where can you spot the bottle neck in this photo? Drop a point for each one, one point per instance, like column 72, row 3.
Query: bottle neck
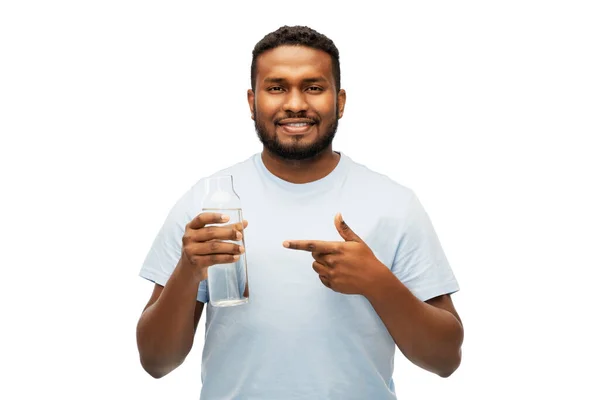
column 220, row 194
column 219, row 184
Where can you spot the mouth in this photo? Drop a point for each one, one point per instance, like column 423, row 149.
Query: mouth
column 296, row 126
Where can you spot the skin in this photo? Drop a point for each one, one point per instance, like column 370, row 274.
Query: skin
column 429, row 334
column 295, row 84
column 166, row 328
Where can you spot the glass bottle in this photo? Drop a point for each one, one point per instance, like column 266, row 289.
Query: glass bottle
column 227, row 283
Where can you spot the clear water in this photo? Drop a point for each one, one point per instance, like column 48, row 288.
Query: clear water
column 227, row 283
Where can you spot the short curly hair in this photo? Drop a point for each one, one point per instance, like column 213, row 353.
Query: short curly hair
column 297, row 36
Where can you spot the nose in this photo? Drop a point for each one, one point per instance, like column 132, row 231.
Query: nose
column 295, row 102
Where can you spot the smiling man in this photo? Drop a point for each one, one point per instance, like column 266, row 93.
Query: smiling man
column 338, row 276
column 295, row 102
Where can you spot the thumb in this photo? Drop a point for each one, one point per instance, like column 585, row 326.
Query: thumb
column 344, row 230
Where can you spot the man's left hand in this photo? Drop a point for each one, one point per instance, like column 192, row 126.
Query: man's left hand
column 348, row 266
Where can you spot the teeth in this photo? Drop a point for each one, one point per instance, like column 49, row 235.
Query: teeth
column 298, row 124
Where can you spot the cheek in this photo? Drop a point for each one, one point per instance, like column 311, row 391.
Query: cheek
column 324, row 105
column 267, row 105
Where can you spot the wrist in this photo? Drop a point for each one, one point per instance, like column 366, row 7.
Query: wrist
column 192, row 272
column 378, row 282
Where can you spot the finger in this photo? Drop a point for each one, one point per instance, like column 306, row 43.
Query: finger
column 324, row 273
column 239, row 227
column 215, row 247
column 316, row 246
column 326, row 259
column 211, row 233
column 325, row 281
column 224, row 232
column 321, row 269
column 344, row 230
column 201, row 220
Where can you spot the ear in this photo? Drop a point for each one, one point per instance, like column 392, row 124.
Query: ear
column 341, row 98
column 251, row 102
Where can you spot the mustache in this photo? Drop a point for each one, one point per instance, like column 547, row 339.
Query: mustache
column 313, row 120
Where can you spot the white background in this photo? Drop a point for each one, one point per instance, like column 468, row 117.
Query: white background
column 110, row 110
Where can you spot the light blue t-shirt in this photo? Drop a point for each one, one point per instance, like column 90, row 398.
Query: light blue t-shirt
column 297, row 339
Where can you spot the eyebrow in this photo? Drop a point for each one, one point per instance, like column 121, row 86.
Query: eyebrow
column 307, row 80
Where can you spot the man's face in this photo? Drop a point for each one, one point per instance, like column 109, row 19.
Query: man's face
column 296, row 105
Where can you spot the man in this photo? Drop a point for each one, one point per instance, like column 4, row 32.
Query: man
column 329, row 300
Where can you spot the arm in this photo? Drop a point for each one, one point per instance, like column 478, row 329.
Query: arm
column 429, row 334
column 166, row 328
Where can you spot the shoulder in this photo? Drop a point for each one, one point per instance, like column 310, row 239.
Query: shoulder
column 378, row 187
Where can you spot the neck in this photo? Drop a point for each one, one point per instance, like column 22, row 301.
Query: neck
column 301, row 171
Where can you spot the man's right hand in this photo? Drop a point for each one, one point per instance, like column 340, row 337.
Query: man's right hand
column 203, row 245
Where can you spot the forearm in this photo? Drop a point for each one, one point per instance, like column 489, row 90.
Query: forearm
column 165, row 332
column 428, row 336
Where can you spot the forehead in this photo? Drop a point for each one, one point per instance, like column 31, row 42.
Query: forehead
column 294, row 62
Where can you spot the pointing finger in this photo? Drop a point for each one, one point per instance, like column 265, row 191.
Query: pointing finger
column 315, row 246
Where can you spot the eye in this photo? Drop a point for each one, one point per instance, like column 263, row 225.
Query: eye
column 314, row 89
column 275, row 89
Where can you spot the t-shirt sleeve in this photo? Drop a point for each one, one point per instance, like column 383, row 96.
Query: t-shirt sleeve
column 420, row 262
column 164, row 254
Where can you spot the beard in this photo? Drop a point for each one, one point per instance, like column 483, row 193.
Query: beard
column 296, row 150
